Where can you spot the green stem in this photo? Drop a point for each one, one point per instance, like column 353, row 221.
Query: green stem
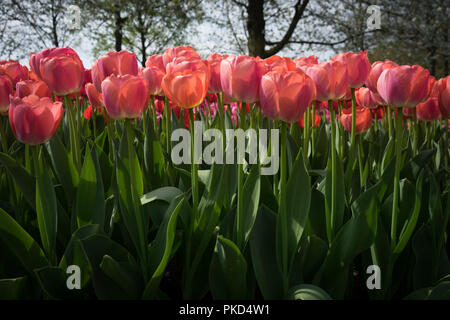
column 333, row 171
column 353, row 134
column 389, row 119
column 167, row 117
column 194, row 167
column 360, row 162
column 283, row 218
column 313, row 129
column 398, row 158
column 3, row 136
column 306, row 133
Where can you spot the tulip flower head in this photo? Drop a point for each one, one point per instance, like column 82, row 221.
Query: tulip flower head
column 442, row 91
column 153, row 77
column 34, row 120
column 358, row 67
column 404, row 86
column 124, row 96
column 366, row 98
column 6, row 90
column 215, row 60
column 286, row 95
column 14, row 71
column 363, row 119
column 95, row 97
column 377, row 68
column 33, row 87
column 330, row 78
column 428, row 110
column 177, row 52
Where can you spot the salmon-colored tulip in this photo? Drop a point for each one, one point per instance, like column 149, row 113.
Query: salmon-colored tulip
column 35, row 58
column 358, row 67
column 63, row 72
column 303, row 62
column 428, row 110
column 114, row 62
column 442, row 91
column 34, row 120
column 240, row 77
column 404, row 86
column 153, row 77
column 124, row 96
column 286, row 95
column 215, row 59
column 155, row 60
column 278, row 63
column 330, row 78
column 14, row 70
column 186, row 89
column 377, row 68
column 180, row 64
column 95, row 97
column 366, row 98
column 363, row 119
column 6, row 90
column 177, row 52
column 33, row 87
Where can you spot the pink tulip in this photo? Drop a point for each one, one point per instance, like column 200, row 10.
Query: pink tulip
column 366, row 98
column 33, row 87
column 363, row 119
column 377, row 68
column 441, row 90
column 114, row 62
column 6, row 90
column 13, row 70
column 185, row 52
column 34, row 120
column 95, row 97
column 61, row 70
column 155, row 60
column 404, row 86
column 278, row 63
column 286, row 95
column 215, row 59
column 330, row 78
column 358, row 67
column 35, row 58
column 303, row 62
column 124, row 96
column 428, row 110
column 153, row 77
column 240, row 78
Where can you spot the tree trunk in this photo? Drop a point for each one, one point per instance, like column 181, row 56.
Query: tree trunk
column 256, row 28
column 118, row 32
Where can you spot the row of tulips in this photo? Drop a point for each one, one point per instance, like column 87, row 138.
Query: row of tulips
column 88, row 179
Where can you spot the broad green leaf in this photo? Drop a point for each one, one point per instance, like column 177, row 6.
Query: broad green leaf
column 24, row 180
column 21, row 244
column 90, row 202
column 161, row 247
column 166, row 194
column 122, row 275
column 154, row 160
column 228, row 271
column 13, row 289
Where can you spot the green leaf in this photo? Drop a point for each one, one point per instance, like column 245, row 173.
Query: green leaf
column 24, row 180
column 64, row 167
column 122, row 275
column 410, row 224
column 166, row 194
column 53, row 281
column 46, row 208
column 307, row 292
column 228, row 271
column 293, row 213
column 21, row 244
column 161, row 247
column 90, row 202
column 154, row 160
column 263, row 253
column 13, row 289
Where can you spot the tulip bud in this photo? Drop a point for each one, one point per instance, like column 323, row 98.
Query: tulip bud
column 153, row 77
column 95, row 97
column 362, row 121
column 34, row 120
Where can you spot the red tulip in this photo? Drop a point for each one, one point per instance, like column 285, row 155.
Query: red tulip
column 330, row 78
column 428, row 110
column 95, row 97
column 363, row 119
column 186, row 89
column 358, row 67
column 240, row 78
column 314, row 123
column 286, row 95
column 366, row 98
column 185, row 52
column 62, row 70
column 34, row 120
column 33, row 87
column 442, row 91
column 124, row 96
column 156, row 60
column 404, row 86
column 377, row 68
column 114, row 62
column 153, row 77
column 215, row 60
column 13, row 70
column 6, row 90
column 409, row 112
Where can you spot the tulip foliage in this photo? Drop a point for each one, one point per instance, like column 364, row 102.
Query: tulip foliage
column 88, row 178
